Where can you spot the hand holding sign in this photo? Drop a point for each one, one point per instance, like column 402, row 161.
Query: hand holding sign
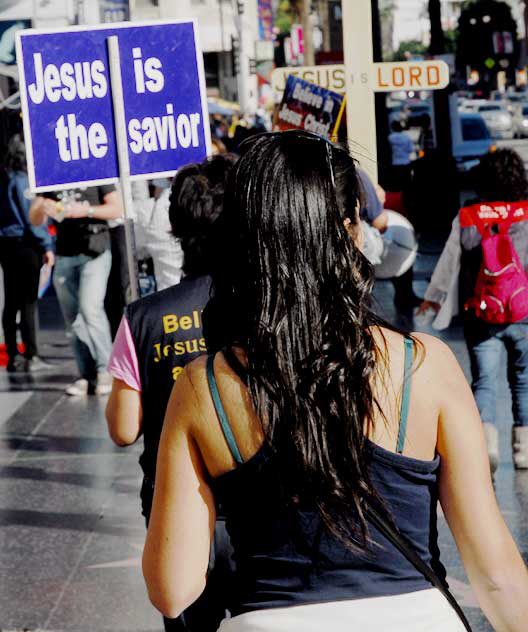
column 76, row 210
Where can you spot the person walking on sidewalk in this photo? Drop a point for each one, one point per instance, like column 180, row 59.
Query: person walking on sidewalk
column 23, row 250
column 81, row 275
column 403, row 153
column 500, row 181
column 327, row 436
column 157, row 337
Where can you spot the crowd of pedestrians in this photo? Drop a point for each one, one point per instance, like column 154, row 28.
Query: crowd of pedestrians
column 275, row 406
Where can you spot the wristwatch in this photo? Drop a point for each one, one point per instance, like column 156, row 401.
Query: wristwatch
column 90, row 212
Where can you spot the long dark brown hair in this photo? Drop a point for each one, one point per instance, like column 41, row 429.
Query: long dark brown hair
column 294, row 291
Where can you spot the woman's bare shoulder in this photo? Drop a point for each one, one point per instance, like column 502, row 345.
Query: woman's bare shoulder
column 434, row 362
column 430, row 347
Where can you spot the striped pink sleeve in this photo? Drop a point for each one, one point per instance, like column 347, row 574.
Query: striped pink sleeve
column 123, row 364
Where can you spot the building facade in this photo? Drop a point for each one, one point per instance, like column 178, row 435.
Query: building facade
column 227, row 39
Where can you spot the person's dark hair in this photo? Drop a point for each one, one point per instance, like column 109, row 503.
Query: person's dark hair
column 196, row 200
column 396, row 126
column 295, row 293
column 501, row 177
column 15, row 159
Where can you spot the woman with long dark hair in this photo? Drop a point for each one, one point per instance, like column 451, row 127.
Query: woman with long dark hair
column 320, row 430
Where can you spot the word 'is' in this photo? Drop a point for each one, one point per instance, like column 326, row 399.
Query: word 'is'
column 87, row 80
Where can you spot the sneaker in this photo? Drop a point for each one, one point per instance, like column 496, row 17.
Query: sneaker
column 104, row 383
column 520, row 447
column 79, row 387
column 37, row 364
column 16, row 364
column 492, row 444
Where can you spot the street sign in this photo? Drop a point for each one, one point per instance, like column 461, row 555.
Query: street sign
column 67, row 102
column 411, row 75
column 385, row 76
column 363, row 78
column 329, row 77
column 309, row 107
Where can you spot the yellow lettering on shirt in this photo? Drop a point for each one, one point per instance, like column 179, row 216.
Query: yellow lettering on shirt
column 179, row 348
column 191, row 346
column 186, row 322
column 176, row 372
column 170, row 323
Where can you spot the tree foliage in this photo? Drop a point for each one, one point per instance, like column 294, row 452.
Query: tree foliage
column 409, row 48
column 478, row 22
column 288, row 12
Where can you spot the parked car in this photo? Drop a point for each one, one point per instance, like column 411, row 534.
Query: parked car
column 520, row 120
column 495, row 115
column 514, row 99
column 471, row 140
column 498, row 120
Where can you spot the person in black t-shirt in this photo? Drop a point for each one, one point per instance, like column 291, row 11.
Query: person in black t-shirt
column 157, row 337
column 81, row 274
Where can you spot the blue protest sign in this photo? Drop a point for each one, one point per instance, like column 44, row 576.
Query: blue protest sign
column 307, row 106
column 67, row 102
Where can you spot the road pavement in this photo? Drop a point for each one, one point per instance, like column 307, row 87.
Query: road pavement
column 520, row 145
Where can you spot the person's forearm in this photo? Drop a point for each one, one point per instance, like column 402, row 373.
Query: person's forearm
column 505, row 606
column 381, row 222
column 37, row 216
column 503, row 596
column 106, row 211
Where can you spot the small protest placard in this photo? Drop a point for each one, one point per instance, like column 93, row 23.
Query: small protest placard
column 67, row 102
column 307, row 106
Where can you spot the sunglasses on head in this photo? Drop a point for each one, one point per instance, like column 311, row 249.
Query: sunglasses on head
column 299, row 133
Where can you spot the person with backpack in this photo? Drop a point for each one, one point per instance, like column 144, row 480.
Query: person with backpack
column 485, row 262
column 23, row 250
column 326, row 435
column 158, row 335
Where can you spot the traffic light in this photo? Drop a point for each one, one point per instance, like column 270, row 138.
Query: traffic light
column 240, row 7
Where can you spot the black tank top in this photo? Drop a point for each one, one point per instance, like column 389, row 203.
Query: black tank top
column 286, row 557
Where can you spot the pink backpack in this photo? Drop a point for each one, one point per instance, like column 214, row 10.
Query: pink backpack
column 501, row 291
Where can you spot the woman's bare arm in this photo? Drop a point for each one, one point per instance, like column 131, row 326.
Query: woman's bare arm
column 490, row 556
column 124, row 413
column 176, row 554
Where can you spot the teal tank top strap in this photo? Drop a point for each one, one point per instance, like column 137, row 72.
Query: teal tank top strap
column 406, row 394
column 221, row 413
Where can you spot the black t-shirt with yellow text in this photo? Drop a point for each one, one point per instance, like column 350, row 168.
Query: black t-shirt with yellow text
column 166, row 329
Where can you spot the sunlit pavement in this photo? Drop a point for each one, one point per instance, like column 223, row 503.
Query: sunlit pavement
column 520, row 145
column 70, row 529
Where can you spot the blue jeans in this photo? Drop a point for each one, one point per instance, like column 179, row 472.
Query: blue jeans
column 485, row 345
column 80, row 283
